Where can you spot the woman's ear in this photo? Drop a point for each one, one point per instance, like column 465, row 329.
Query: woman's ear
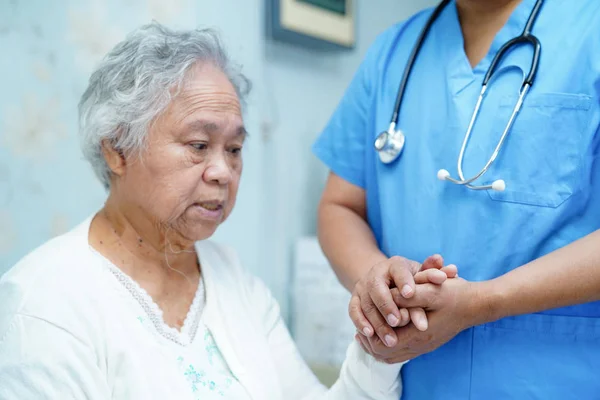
column 114, row 157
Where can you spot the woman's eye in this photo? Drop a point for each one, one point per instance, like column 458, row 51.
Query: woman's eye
column 236, row 151
column 199, row 146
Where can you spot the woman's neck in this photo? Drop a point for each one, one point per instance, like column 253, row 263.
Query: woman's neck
column 143, row 241
column 133, row 244
column 480, row 21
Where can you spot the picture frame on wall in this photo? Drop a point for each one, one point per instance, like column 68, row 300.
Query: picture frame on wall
column 314, row 23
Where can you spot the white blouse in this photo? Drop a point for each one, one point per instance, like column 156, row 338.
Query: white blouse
column 202, row 364
column 73, row 326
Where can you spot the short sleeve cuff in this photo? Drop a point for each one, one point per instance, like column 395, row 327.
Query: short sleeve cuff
column 354, row 176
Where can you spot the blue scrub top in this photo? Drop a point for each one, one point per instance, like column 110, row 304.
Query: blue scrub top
column 551, row 165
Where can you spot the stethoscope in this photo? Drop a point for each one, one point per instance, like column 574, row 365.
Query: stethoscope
column 389, row 144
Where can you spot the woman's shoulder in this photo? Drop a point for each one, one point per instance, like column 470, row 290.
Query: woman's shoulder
column 49, row 281
column 219, row 260
column 221, row 266
column 67, row 251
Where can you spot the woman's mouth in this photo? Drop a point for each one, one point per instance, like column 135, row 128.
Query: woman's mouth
column 210, row 210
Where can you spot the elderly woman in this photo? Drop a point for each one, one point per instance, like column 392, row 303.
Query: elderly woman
column 135, row 303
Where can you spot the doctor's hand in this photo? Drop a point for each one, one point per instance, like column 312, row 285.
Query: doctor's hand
column 372, row 308
column 451, row 308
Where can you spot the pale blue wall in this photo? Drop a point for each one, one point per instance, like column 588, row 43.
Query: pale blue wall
column 47, row 49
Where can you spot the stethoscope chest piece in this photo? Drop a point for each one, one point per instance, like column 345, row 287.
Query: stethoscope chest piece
column 389, row 145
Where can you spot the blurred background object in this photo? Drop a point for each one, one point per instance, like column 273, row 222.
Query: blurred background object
column 48, row 50
column 318, row 312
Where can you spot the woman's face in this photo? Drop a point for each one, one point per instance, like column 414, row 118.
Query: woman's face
column 187, row 179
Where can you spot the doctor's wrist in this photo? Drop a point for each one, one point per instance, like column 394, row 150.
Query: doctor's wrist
column 488, row 304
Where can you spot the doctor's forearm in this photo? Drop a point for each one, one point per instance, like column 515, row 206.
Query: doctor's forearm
column 348, row 243
column 568, row 276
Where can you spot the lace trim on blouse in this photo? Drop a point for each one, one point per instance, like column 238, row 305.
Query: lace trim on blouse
column 154, row 312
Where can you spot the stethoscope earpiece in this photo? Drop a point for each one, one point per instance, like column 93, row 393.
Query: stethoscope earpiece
column 443, row 174
column 498, row 185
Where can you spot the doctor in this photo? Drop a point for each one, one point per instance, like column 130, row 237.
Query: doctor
column 512, row 197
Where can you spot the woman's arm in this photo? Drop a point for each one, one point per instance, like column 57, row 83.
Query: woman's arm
column 362, row 377
column 41, row 360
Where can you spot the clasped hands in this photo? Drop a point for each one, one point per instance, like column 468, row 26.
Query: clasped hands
column 402, row 309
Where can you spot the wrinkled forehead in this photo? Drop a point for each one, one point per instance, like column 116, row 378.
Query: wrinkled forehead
column 207, row 88
column 206, row 104
column 206, row 95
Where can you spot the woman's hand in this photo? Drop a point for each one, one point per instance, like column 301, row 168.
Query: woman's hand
column 372, row 307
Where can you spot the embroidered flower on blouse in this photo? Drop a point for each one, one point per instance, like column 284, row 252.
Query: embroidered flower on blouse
column 211, row 348
column 218, row 379
column 195, row 378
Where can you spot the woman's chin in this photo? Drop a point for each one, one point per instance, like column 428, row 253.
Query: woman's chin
column 202, row 231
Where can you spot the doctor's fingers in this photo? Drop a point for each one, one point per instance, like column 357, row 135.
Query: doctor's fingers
column 418, row 318
column 425, row 297
column 451, row 271
column 415, row 314
column 434, row 276
column 435, row 261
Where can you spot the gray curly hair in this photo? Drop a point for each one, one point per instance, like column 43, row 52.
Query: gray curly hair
column 134, row 84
